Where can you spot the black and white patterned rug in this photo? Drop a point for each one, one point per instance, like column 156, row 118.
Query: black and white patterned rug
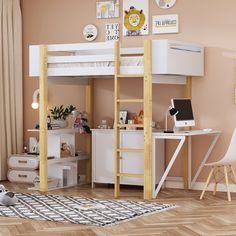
column 79, row 210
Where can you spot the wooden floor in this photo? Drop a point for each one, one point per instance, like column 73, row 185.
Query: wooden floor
column 214, row 215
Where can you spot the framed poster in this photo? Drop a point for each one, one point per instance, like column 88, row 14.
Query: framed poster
column 107, row 9
column 165, row 3
column 135, row 17
column 112, row 31
column 90, row 32
column 164, row 24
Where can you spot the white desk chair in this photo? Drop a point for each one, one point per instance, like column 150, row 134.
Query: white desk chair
column 228, row 159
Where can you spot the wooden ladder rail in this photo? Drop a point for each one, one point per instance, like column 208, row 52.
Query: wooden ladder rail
column 43, row 133
column 147, row 107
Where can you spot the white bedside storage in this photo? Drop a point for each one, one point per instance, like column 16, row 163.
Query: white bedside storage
column 62, row 171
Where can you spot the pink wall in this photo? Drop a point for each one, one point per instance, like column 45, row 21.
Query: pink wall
column 211, row 23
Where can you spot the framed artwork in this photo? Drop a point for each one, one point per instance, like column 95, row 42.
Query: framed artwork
column 112, row 31
column 123, row 117
column 107, row 9
column 90, row 32
column 164, row 24
column 165, row 3
column 135, row 17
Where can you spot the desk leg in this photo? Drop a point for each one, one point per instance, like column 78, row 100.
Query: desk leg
column 186, row 162
column 189, row 161
column 153, row 167
column 205, row 159
column 172, row 160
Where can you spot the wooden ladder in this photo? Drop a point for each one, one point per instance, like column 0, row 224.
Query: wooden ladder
column 147, row 124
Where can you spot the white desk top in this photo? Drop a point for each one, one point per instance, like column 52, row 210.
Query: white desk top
column 161, row 133
column 187, row 133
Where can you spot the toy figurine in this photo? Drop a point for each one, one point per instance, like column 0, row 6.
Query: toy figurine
column 7, row 198
column 80, row 123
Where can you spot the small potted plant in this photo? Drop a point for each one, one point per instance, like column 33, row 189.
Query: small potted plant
column 60, row 114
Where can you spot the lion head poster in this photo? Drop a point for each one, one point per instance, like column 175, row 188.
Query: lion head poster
column 135, row 17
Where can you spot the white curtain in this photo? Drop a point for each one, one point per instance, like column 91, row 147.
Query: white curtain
column 11, row 104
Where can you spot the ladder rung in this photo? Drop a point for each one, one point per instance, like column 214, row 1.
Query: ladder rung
column 129, row 126
column 130, row 75
column 130, row 175
column 130, row 150
column 130, row 100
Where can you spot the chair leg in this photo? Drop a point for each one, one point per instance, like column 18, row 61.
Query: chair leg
column 215, row 177
column 207, row 182
column 227, row 183
column 233, row 173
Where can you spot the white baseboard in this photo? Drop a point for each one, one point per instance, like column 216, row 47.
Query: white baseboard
column 178, row 183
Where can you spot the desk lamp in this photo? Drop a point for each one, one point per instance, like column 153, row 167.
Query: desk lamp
column 172, row 111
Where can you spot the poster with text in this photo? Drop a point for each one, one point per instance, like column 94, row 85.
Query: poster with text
column 164, row 24
column 135, row 17
column 107, row 9
column 112, row 32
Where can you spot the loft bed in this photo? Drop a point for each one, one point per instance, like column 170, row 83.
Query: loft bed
column 88, row 60
column 159, row 61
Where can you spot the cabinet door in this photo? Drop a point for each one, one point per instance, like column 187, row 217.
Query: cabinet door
column 103, row 157
column 132, row 162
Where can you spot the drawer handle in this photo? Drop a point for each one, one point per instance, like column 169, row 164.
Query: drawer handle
column 22, row 176
column 20, row 161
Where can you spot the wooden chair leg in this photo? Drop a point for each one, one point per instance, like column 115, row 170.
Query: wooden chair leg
column 215, row 177
column 233, row 173
column 227, row 183
column 207, row 182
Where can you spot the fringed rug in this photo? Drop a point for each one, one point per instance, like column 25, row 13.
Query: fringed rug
column 79, row 210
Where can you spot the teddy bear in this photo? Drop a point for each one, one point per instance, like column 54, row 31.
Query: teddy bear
column 7, row 198
column 138, row 119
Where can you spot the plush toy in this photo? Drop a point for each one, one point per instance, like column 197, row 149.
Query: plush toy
column 138, row 119
column 7, row 198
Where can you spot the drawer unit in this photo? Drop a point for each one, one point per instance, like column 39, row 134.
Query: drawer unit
column 23, row 162
column 22, row 176
column 23, row 168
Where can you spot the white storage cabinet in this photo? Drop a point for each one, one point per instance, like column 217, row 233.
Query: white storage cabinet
column 103, row 156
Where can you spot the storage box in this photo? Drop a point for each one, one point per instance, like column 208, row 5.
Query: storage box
column 22, row 176
column 23, row 161
column 52, row 183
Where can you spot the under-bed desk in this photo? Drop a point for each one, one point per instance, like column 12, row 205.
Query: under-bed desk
column 182, row 136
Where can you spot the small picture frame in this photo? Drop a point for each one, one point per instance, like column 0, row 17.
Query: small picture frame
column 90, row 32
column 123, row 117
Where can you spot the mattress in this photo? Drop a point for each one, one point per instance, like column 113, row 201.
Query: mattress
column 125, row 61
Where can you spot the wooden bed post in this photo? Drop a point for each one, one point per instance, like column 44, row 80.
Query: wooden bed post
column 187, row 94
column 147, row 92
column 116, row 119
column 89, row 111
column 43, row 135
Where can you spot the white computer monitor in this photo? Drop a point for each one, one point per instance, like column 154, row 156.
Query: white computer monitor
column 184, row 117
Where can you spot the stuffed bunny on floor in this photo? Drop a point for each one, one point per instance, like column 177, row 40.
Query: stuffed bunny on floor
column 7, row 198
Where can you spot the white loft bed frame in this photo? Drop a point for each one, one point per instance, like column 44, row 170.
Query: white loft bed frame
column 172, row 62
column 169, row 57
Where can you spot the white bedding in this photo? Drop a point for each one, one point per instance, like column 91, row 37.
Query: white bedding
column 125, row 61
